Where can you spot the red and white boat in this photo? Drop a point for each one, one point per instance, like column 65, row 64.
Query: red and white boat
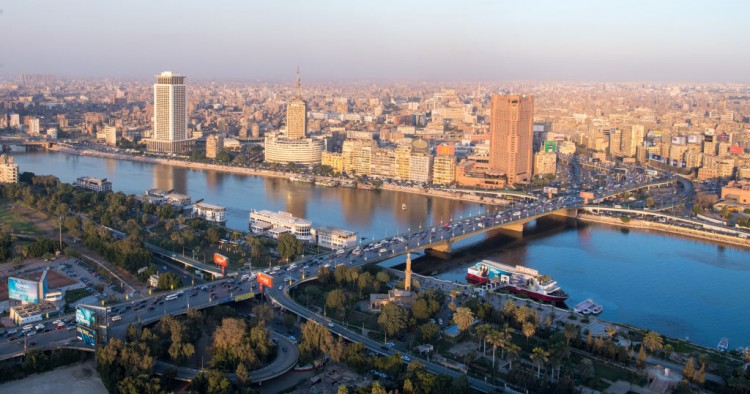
column 518, row 279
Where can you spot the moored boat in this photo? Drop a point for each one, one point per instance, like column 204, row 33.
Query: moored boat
column 723, row 345
column 516, row 279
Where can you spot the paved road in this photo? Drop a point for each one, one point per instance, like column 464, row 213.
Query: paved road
column 284, row 361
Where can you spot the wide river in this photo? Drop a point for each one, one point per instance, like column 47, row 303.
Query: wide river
column 677, row 286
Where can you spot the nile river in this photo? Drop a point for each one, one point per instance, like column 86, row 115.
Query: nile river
column 677, row 286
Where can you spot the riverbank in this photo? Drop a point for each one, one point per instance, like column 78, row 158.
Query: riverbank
column 666, row 228
column 268, row 173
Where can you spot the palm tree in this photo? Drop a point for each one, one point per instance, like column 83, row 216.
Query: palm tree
column 539, row 357
column 506, row 331
column 528, row 330
column 463, row 317
column 513, row 352
column 570, row 332
column 482, row 332
column 497, row 340
column 611, row 331
column 509, row 309
column 521, row 314
column 653, row 341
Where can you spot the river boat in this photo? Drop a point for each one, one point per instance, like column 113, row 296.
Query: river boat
column 403, row 207
column 516, row 279
column 588, row 307
column 327, row 182
column 302, row 179
column 723, row 345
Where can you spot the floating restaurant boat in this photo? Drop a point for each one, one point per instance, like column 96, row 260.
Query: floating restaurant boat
column 327, row 182
column 588, row 307
column 302, row 179
column 518, row 279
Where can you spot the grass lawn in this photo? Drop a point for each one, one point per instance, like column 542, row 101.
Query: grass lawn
column 75, row 295
column 19, row 224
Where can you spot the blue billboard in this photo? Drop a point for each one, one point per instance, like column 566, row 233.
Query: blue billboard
column 87, row 335
column 85, row 317
column 23, row 290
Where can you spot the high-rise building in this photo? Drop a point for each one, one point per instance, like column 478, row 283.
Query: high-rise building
column 8, row 169
column 444, row 165
column 214, row 145
column 34, row 126
column 15, row 121
column 110, row 135
column 511, row 136
column 170, row 133
column 296, row 114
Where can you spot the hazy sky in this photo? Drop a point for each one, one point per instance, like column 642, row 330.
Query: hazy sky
column 462, row 40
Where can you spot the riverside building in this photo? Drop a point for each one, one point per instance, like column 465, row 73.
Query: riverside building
column 8, row 169
column 95, row 184
column 335, row 238
column 209, row 212
column 277, row 223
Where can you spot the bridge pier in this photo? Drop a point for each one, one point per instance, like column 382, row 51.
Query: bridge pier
column 515, row 226
column 441, row 250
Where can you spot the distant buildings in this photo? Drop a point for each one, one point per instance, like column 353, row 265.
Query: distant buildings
column 8, row 169
column 170, row 115
column 511, row 136
column 95, row 184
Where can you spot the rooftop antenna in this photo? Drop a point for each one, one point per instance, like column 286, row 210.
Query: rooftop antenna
column 299, row 84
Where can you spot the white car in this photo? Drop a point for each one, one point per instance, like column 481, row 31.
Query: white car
column 27, row 327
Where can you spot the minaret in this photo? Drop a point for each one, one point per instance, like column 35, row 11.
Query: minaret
column 407, row 279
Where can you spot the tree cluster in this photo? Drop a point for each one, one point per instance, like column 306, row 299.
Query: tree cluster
column 235, row 343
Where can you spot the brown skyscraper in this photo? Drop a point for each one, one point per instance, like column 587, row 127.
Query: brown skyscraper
column 511, row 135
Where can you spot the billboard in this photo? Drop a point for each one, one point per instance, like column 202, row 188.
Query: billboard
column 23, row 290
column 708, row 138
column 550, row 190
column 587, row 195
column 265, row 280
column 245, row 296
column 86, row 335
column 85, row 317
column 550, row 146
column 220, row 260
column 446, row 150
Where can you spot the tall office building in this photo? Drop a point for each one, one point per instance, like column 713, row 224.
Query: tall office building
column 296, row 114
column 511, row 136
column 34, row 126
column 214, row 145
column 170, row 115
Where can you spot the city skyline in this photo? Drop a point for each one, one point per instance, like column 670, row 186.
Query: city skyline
column 333, row 41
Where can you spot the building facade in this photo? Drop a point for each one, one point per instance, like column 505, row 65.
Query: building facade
column 95, row 184
column 209, row 212
column 545, row 163
column 8, row 169
column 279, row 222
column 335, row 238
column 333, row 160
column 307, row 151
column 511, row 136
column 110, row 135
column 214, row 145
